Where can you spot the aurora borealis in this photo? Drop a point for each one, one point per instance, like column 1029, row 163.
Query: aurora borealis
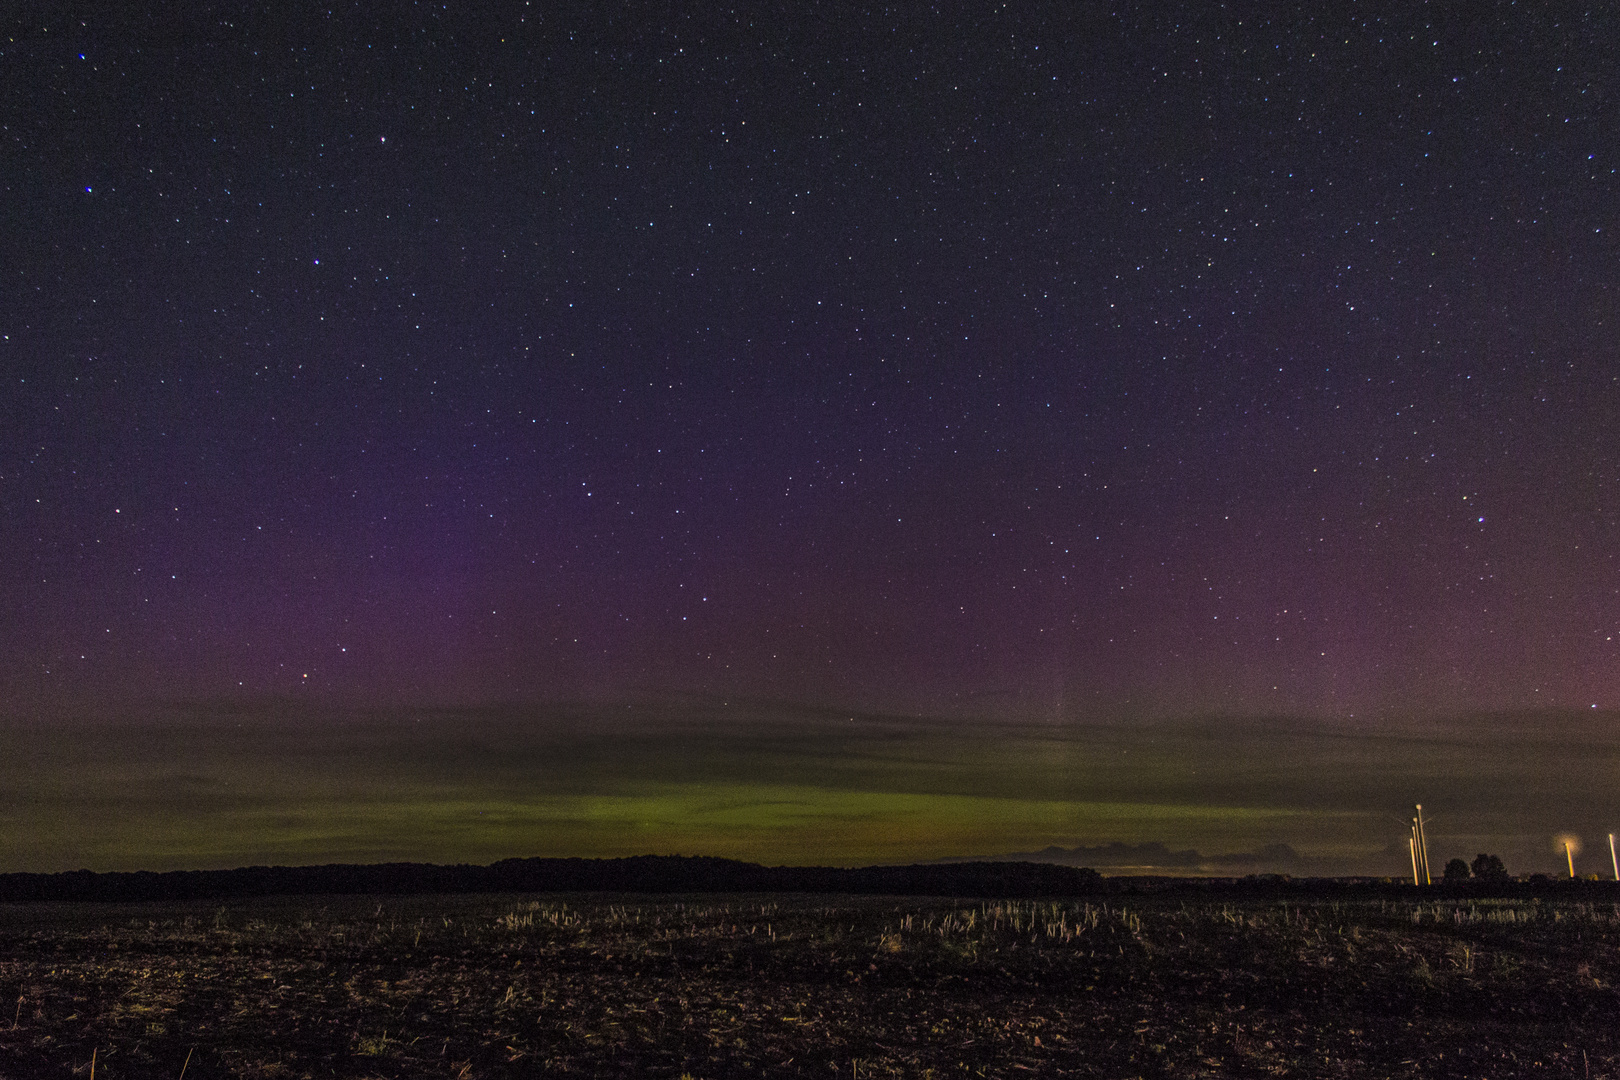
column 832, row 434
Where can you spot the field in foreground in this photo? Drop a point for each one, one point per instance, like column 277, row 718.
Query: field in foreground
column 506, row 986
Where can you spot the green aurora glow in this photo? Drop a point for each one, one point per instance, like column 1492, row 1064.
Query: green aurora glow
column 200, row 787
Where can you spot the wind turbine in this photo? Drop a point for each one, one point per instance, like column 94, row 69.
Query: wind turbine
column 1422, row 845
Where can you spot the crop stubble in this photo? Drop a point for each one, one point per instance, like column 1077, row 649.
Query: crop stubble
column 808, row 986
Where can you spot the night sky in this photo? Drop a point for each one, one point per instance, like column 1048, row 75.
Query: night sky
column 416, row 414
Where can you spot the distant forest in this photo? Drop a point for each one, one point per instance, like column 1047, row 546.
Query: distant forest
column 699, row 874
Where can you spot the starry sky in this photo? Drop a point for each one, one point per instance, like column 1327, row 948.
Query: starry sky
column 1064, row 368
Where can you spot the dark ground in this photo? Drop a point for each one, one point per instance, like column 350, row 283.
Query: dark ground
column 823, row 986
